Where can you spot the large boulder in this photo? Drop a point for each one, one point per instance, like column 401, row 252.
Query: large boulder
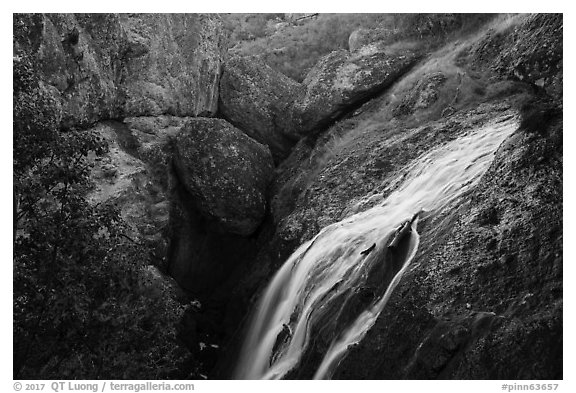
column 341, row 80
column 226, row 172
column 102, row 66
column 256, row 99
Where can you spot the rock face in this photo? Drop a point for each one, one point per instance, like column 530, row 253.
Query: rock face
column 80, row 58
column 484, row 297
column 134, row 175
column 149, row 139
column 529, row 51
column 201, row 258
column 277, row 111
column 423, row 95
column 256, row 98
column 226, row 171
column 122, row 179
column 218, row 199
column 173, row 64
column 341, row 80
column 361, row 37
column 102, row 66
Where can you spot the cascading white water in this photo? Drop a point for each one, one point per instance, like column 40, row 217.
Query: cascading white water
column 318, row 291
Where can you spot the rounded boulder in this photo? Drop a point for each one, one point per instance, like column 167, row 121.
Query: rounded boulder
column 226, row 172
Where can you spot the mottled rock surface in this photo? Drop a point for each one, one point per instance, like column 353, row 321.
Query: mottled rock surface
column 483, row 298
column 173, row 64
column 134, row 185
column 341, row 80
column 529, row 51
column 226, row 171
column 278, row 111
column 423, row 95
column 256, row 99
column 361, row 37
column 80, row 59
column 107, row 66
column 148, row 138
column 135, row 176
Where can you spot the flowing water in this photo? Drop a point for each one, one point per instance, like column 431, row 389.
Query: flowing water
column 332, row 288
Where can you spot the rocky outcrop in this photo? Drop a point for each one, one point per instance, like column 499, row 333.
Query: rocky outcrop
column 80, row 60
column 536, row 53
column 102, row 66
column 173, row 64
column 361, row 37
column 200, row 257
column 218, row 199
column 256, row 99
column 226, row 171
column 529, row 49
column 484, row 296
column 149, row 139
column 341, row 80
column 485, row 287
column 422, row 96
column 121, row 178
column 185, row 227
column 277, row 111
column 134, row 176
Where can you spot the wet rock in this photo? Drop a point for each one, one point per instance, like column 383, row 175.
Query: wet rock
column 226, row 171
column 256, row 98
column 483, row 297
column 497, row 317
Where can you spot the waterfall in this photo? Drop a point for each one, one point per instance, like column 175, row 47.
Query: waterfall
column 333, row 287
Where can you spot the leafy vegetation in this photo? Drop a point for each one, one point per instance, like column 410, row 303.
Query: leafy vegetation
column 85, row 307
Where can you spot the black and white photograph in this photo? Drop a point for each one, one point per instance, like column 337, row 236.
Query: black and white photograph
column 286, row 196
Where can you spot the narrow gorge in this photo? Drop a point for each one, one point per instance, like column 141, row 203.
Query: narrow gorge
column 391, row 210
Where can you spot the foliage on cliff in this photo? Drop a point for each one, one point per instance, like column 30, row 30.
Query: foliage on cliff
column 84, row 304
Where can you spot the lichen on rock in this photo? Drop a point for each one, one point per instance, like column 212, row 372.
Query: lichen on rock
column 107, row 66
column 256, row 99
column 226, row 171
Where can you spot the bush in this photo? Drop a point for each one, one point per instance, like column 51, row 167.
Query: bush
column 84, row 307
